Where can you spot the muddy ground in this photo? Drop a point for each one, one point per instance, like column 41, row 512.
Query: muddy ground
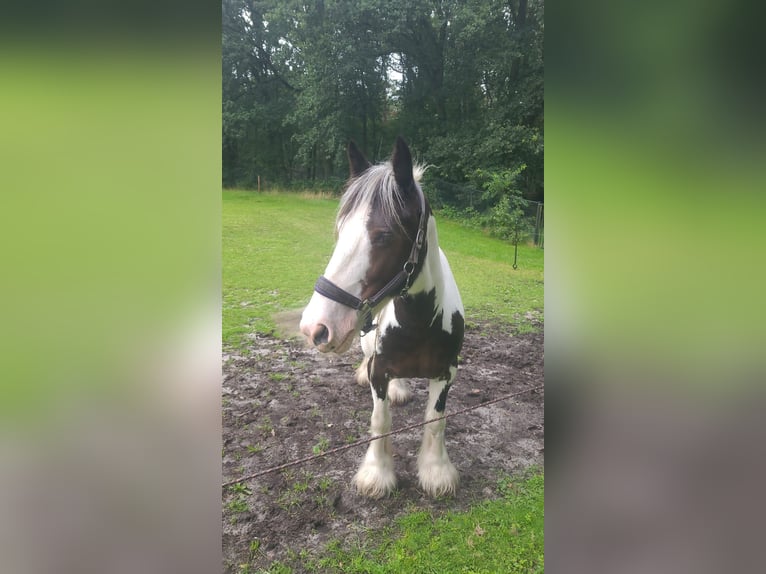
column 285, row 401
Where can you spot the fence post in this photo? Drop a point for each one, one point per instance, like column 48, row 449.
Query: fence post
column 538, row 221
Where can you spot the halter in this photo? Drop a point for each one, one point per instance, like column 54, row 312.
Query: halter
column 401, row 282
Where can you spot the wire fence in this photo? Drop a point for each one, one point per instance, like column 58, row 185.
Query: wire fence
column 307, row 459
column 446, row 195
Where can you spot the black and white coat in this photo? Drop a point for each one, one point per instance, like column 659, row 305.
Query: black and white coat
column 416, row 336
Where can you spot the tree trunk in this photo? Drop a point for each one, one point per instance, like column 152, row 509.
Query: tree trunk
column 520, row 25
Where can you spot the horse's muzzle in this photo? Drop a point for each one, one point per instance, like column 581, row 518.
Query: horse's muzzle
column 326, row 339
column 318, row 334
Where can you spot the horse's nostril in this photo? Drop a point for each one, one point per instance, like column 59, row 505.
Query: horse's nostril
column 320, row 335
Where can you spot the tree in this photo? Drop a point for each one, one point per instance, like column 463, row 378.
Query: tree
column 462, row 80
column 257, row 92
column 506, row 218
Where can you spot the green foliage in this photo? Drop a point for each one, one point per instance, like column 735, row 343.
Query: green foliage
column 321, row 446
column 277, row 568
column 461, row 80
column 506, row 218
column 507, row 221
column 505, row 535
column 237, row 505
column 240, row 488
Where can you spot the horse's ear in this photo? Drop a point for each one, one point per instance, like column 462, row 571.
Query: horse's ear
column 402, row 162
column 357, row 163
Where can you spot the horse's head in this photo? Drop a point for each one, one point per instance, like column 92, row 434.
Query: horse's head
column 377, row 223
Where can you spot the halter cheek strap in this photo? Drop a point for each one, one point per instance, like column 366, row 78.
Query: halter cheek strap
column 401, row 282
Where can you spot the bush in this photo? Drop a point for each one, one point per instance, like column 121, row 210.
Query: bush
column 507, row 220
column 505, row 217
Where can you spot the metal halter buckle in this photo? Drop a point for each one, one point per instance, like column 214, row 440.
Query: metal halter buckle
column 365, row 317
column 420, row 237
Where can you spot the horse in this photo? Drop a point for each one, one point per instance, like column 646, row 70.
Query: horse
column 389, row 281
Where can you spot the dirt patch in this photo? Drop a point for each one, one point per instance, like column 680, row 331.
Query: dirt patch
column 286, row 401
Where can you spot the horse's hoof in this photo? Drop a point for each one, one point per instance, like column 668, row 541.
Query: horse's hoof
column 374, row 481
column 438, row 478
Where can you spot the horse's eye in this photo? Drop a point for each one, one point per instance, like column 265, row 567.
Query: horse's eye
column 381, row 237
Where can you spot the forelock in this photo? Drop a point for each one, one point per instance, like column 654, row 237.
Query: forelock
column 376, row 184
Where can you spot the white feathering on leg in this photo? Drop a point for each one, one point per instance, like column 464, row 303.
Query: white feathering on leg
column 375, row 477
column 437, row 474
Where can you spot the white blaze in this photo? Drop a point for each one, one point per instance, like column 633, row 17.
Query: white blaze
column 347, row 269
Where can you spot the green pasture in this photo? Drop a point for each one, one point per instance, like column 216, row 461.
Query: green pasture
column 275, row 245
column 504, row 535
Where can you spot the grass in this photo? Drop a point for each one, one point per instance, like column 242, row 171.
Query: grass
column 491, row 289
column 321, row 446
column 504, row 535
column 237, row 505
column 275, row 245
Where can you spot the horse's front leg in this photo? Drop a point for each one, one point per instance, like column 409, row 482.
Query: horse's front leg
column 438, row 476
column 375, row 477
column 399, row 392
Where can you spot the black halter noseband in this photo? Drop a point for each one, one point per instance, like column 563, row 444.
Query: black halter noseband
column 400, row 283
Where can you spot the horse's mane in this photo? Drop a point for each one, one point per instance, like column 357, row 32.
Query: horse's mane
column 377, row 183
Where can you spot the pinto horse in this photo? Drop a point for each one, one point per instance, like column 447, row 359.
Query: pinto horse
column 389, row 279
